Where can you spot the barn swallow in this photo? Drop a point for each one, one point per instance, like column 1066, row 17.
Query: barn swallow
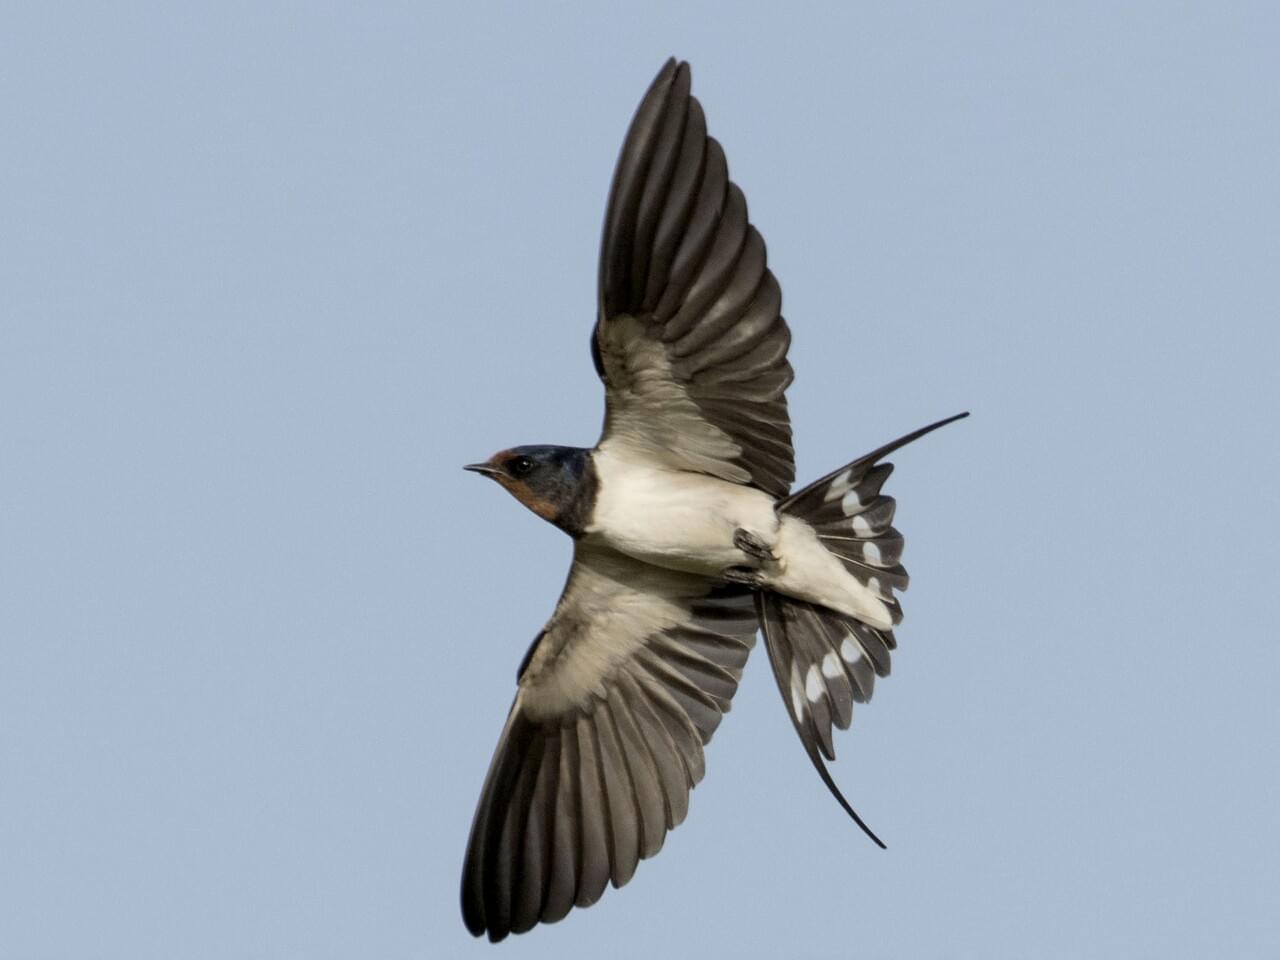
column 686, row 542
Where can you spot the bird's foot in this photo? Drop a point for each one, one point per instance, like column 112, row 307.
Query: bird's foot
column 746, row 576
column 751, row 544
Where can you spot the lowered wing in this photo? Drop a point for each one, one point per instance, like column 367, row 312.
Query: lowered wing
column 623, row 687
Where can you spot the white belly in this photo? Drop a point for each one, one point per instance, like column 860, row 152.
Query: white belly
column 676, row 519
column 686, row 521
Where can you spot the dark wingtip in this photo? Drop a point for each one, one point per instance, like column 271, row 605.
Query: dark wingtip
column 475, row 924
column 668, row 70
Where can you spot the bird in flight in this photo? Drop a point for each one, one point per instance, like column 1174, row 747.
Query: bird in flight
column 687, row 540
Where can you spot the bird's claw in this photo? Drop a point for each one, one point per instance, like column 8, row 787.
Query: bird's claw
column 751, row 544
column 746, row 576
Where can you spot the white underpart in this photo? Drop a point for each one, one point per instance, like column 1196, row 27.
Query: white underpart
column 673, row 518
column 686, row 521
column 811, row 572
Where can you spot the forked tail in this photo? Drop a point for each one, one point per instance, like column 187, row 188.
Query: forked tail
column 824, row 661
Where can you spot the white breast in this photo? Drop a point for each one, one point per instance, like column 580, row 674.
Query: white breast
column 672, row 518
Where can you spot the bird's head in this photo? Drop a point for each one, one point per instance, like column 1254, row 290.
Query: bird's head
column 556, row 483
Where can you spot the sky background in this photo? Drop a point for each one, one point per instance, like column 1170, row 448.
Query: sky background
column 270, row 274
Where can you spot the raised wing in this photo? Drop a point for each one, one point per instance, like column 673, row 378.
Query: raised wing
column 604, row 741
column 689, row 339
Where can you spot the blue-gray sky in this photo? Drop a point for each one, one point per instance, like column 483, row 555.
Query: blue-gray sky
column 269, row 274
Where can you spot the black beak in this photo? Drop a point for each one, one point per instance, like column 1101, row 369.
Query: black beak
column 488, row 469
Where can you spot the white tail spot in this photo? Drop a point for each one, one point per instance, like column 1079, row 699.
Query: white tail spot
column 850, row 650
column 838, row 487
column 871, row 552
column 797, row 691
column 851, row 503
column 860, row 526
column 831, row 666
column 813, row 685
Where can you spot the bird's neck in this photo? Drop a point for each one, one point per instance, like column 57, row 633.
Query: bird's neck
column 575, row 511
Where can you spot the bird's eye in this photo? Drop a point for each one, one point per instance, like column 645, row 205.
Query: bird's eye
column 521, row 466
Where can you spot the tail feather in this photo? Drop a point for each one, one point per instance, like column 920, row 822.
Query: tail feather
column 858, row 468
column 824, row 661
column 813, row 724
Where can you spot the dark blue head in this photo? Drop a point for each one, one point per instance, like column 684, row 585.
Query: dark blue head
column 556, row 483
